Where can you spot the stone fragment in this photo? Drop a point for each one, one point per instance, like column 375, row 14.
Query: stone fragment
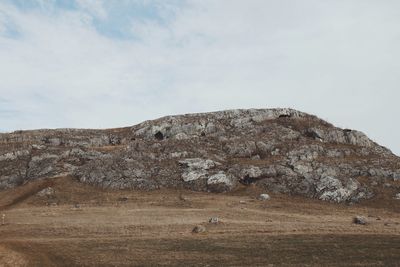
column 199, row 229
column 214, row 220
column 360, row 220
column 264, row 197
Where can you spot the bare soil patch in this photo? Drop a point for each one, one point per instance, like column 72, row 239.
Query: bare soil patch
column 80, row 225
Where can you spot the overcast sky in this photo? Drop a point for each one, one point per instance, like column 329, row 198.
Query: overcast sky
column 111, row 63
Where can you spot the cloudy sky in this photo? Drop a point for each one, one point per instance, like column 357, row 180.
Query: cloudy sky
column 110, row 63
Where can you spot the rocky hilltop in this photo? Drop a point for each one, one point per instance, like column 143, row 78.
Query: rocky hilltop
column 280, row 150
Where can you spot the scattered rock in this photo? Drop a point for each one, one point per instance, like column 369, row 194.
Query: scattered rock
column 397, row 196
column 360, row 220
column 198, row 229
column 122, row 199
column 47, row 192
column 214, row 220
column 264, row 197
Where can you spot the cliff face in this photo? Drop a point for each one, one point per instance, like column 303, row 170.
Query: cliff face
column 281, row 150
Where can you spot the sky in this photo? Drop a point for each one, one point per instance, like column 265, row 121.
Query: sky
column 112, row 63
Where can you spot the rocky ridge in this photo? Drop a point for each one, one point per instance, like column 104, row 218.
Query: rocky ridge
column 280, row 150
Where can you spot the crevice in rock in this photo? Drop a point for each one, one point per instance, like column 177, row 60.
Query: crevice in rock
column 247, row 180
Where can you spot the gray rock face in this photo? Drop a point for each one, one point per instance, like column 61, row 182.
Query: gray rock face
column 332, row 189
column 279, row 150
column 196, row 168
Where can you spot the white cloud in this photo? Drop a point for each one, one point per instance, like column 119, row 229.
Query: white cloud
column 94, row 7
column 337, row 59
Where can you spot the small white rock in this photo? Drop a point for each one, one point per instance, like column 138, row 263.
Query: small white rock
column 214, row 220
column 48, row 191
column 264, row 197
column 360, row 220
column 397, row 196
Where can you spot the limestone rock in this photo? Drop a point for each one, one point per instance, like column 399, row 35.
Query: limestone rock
column 332, row 189
column 264, row 197
column 198, row 229
column 214, row 220
column 47, row 192
column 196, row 168
column 360, row 220
column 277, row 150
column 220, row 182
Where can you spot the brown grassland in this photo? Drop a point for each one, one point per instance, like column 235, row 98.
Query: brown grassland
column 80, row 225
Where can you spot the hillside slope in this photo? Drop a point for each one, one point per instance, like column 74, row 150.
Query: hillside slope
column 279, row 150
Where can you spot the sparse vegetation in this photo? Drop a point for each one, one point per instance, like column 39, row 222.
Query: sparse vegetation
column 146, row 195
column 154, row 228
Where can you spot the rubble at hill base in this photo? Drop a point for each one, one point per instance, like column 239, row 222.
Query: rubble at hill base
column 279, row 150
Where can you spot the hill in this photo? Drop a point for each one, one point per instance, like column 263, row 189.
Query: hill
column 185, row 191
column 280, row 150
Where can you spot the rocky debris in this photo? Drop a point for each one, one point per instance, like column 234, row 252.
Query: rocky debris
column 360, row 220
column 278, row 150
column 213, row 220
column 14, row 155
column 198, row 229
column 264, row 197
column 47, row 192
column 397, row 196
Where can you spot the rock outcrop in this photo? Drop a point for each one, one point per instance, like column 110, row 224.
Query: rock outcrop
column 279, row 150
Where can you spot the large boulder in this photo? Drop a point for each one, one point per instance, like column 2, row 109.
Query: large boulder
column 220, row 182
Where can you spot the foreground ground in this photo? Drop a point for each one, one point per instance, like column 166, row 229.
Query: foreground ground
column 85, row 226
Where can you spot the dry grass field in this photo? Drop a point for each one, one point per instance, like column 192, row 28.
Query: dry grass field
column 79, row 225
